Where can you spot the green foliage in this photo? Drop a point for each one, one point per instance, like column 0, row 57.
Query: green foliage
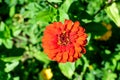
column 5, row 36
column 22, row 23
column 55, row 1
column 42, row 57
column 3, row 74
column 67, row 69
column 97, row 29
column 10, row 67
column 114, row 15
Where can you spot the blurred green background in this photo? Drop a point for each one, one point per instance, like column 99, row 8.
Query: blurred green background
column 22, row 23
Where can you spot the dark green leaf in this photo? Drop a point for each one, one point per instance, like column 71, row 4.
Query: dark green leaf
column 96, row 29
column 3, row 75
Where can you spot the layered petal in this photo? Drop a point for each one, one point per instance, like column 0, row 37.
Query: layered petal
column 64, row 42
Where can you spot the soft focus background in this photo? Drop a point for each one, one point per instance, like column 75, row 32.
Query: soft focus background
column 22, row 23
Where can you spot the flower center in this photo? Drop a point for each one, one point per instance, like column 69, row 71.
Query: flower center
column 63, row 39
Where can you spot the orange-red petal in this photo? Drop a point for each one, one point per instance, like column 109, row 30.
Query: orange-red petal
column 64, row 42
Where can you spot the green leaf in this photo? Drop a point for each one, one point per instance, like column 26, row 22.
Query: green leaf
column 11, row 2
column 0, row 41
column 10, row 67
column 109, row 75
column 110, row 66
column 11, row 59
column 107, row 51
column 2, row 26
column 63, row 15
column 118, row 66
column 117, row 55
column 43, row 18
column 16, row 78
column 86, row 20
column 8, row 43
column 16, row 32
column 67, row 69
column 4, row 31
column 78, row 62
column 65, row 6
column 42, row 57
column 113, row 12
column 64, row 9
column 55, row 1
column 96, row 29
column 5, row 36
column 90, row 76
column 43, row 15
column 31, row 10
column 12, row 11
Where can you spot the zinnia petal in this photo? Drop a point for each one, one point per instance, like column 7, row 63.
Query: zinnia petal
column 58, row 57
column 69, row 24
column 64, row 42
column 65, row 56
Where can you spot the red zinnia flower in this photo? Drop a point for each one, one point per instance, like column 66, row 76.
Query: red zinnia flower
column 64, row 42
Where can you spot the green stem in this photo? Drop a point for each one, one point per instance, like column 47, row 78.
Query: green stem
column 86, row 64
